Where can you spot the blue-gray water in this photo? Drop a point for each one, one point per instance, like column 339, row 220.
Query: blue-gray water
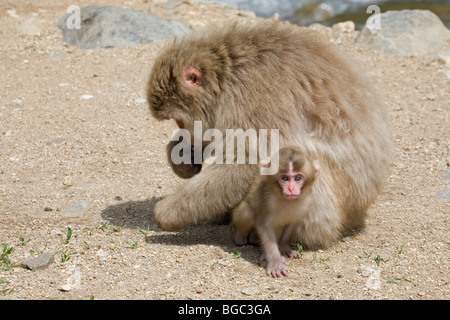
column 328, row 12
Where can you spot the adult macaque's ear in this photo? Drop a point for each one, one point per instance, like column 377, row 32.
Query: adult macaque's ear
column 192, row 77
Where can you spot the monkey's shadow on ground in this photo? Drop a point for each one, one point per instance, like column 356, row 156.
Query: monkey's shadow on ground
column 139, row 215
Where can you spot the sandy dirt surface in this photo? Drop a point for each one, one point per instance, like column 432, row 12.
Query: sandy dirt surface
column 81, row 154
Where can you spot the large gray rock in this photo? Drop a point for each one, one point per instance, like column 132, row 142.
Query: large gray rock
column 40, row 262
column 406, row 32
column 109, row 26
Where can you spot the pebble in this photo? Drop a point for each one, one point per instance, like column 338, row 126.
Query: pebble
column 170, row 290
column 75, row 209
column 30, row 27
column 17, row 103
column 12, row 13
column 443, row 194
column 384, row 257
column 68, row 181
column 56, row 141
column 86, row 96
column 199, row 289
column 250, row 291
column 40, row 262
column 59, row 55
column 140, row 100
column 103, row 255
column 345, row 27
column 373, row 276
column 445, row 60
column 65, row 288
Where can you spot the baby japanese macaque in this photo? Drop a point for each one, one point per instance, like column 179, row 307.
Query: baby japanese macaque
column 275, row 206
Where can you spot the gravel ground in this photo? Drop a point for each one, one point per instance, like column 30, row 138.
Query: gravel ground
column 82, row 165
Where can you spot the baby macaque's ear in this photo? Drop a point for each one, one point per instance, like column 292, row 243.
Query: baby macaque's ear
column 316, row 168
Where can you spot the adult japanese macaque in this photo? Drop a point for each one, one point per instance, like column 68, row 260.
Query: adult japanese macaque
column 273, row 75
column 275, row 206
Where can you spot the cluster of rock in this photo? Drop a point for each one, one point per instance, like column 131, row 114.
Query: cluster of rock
column 406, row 32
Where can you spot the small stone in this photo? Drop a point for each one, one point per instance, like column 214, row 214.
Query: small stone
column 445, row 60
column 171, row 4
column 86, row 96
column 345, row 27
column 12, row 13
column 48, row 209
column 59, row 55
column 75, row 209
column 384, row 257
column 443, row 194
column 199, row 290
column 30, row 27
column 431, row 97
column 363, row 271
column 103, row 255
column 170, row 290
column 56, row 141
column 65, row 288
column 68, row 181
column 140, row 100
column 17, row 103
column 446, row 73
column 250, row 291
column 40, row 262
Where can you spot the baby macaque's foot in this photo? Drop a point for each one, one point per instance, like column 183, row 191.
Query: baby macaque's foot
column 276, row 269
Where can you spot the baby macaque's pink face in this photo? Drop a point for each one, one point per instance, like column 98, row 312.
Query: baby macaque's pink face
column 291, row 184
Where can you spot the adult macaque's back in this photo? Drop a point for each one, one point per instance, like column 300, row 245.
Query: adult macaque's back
column 272, row 75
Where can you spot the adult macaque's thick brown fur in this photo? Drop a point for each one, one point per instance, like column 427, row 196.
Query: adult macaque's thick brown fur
column 271, row 75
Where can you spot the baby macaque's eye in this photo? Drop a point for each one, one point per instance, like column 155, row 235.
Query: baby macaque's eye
column 298, row 178
column 284, row 178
